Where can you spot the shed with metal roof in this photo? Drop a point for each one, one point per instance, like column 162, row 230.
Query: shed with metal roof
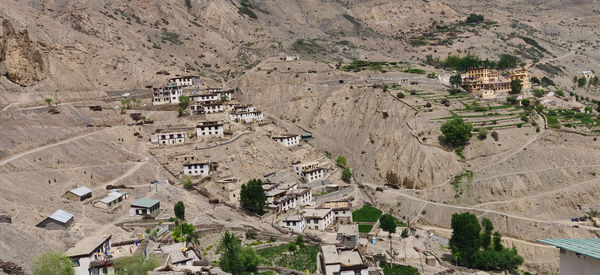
column 57, row 221
column 145, row 207
column 78, row 194
column 577, row 256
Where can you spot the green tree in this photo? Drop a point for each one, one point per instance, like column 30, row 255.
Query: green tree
column 516, row 86
column 486, row 236
column 498, row 241
column 539, row 108
column 465, row 240
column 179, row 210
column 474, row 18
column 456, row 132
column 52, row 263
column 188, row 4
column 387, row 223
column 581, row 82
column 456, row 80
column 252, row 196
column 346, row 175
column 535, row 80
column 587, row 109
column 48, row 100
column 184, row 101
column 341, row 161
column 507, row 61
column 234, row 258
column 135, row 265
column 482, row 133
column 525, row 102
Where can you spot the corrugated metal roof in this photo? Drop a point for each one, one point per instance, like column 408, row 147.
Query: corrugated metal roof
column 587, row 247
column 61, row 216
column 145, row 203
column 112, row 196
column 81, row 191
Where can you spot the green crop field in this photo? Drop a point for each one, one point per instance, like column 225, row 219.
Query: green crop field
column 366, row 214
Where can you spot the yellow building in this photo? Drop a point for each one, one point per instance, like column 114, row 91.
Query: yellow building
column 487, row 83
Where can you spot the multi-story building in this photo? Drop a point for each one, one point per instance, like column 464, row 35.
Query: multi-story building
column 169, row 137
column 211, row 107
column 166, row 95
column 341, row 208
column 487, row 83
column 197, row 168
column 184, row 81
column 295, row 223
column 342, row 261
column 318, row 218
column 90, row 250
column 287, row 140
column 209, row 128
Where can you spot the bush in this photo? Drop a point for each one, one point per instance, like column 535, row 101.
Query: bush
column 396, row 269
column 525, row 102
column 495, row 135
column 474, row 18
column 171, row 37
column 346, row 175
column 341, row 161
column 400, row 95
column 52, row 263
column 482, row 133
column 456, row 132
column 454, row 91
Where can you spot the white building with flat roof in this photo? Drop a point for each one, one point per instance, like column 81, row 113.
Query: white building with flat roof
column 318, row 218
column 169, row 137
column 295, row 223
column 210, row 128
column 288, row 140
column 166, row 95
column 196, row 169
column 184, row 81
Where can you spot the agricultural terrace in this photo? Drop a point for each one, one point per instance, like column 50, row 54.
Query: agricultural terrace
column 302, row 258
column 366, row 217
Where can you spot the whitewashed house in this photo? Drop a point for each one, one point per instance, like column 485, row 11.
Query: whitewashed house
column 166, row 95
column 246, row 113
column 211, row 107
column 303, row 196
column 295, row 223
column 169, row 137
column 288, row 140
column 89, row 251
column 205, row 97
column 184, row 81
column 310, row 171
column 318, row 218
column 209, row 128
column 340, row 208
column 196, row 169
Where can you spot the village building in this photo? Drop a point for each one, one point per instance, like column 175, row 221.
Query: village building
column 197, row 109
column 295, row 223
column 587, row 74
column 348, row 235
column 59, row 220
column 209, row 97
column 197, row 169
column 318, row 218
column 246, row 113
column 184, row 81
column 111, row 199
column 78, row 194
column 577, row 256
column 303, row 196
column 169, row 137
column 211, row 107
column 290, row 58
column 166, row 95
column 487, row 83
column 145, row 207
column 88, row 251
column 341, row 208
column 313, row 174
column 287, row 140
column 179, row 254
column 299, row 167
column 209, row 128
column 340, row 261
column 277, row 196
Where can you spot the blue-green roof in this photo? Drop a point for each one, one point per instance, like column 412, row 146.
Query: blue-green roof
column 145, row 203
column 587, row 247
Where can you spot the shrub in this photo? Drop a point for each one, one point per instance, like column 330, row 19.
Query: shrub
column 171, row 37
column 495, row 135
column 525, row 102
column 341, row 161
column 346, row 175
column 454, row 91
column 474, row 18
column 52, row 263
column 400, row 95
column 482, row 133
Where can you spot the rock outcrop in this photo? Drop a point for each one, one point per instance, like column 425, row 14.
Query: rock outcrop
column 20, row 60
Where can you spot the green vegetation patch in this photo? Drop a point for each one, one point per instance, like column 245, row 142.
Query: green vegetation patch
column 398, row 269
column 365, row 228
column 366, row 214
column 171, row 37
column 302, row 259
column 246, row 9
column 462, row 181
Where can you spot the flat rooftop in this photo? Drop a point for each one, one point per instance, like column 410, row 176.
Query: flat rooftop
column 330, row 254
column 350, row 258
column 587, row 247
column 316, row 213
column 294, row 218
column 348, row 229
